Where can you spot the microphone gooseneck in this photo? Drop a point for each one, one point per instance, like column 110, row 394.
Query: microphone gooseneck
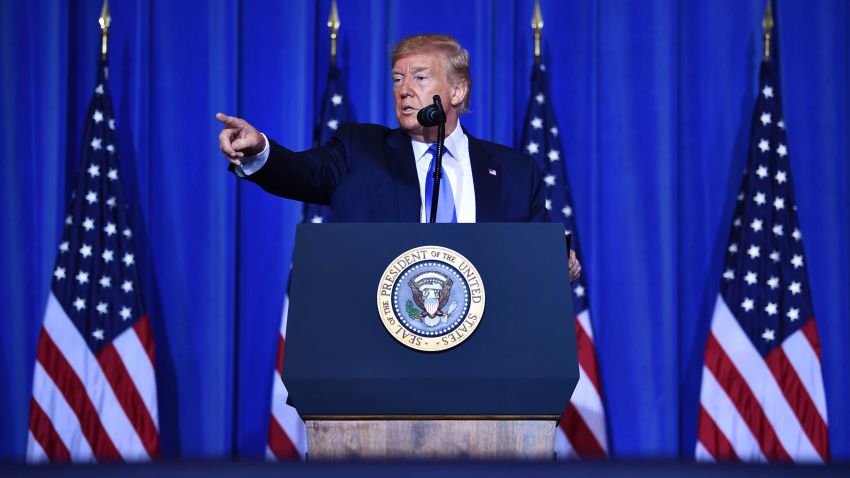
column 430, row 116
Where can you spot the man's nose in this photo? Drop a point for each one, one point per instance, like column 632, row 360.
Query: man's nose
column 404, row 90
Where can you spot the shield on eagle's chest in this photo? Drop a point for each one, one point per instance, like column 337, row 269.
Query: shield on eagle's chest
column 431, row 304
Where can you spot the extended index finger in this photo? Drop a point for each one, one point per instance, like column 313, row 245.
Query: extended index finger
column 228, row 120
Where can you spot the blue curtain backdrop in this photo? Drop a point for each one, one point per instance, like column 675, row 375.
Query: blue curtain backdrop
column 654, row 100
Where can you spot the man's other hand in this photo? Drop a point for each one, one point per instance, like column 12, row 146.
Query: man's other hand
column 238, row 139
column 575, row 267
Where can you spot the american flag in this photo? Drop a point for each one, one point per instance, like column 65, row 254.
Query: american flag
column 762, row 396
column 94, row 388
column 581, row 432
column 287, row 435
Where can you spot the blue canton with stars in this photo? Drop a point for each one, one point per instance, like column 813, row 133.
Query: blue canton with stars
column 95, row 279
column 764, row 282
column 335, row 111
column 540, row 141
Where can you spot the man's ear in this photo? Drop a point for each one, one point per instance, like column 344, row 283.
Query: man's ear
column 459, row 91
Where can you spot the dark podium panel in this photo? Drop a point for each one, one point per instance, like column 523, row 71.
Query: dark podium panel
column 341, row 361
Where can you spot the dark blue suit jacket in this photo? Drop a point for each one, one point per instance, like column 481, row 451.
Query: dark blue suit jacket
column 367, row 173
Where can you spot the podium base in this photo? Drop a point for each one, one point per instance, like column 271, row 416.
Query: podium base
column 489, row 439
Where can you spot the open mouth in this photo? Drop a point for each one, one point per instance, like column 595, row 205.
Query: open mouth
column 408, row 109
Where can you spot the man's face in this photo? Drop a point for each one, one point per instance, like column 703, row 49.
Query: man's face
column 416, row 79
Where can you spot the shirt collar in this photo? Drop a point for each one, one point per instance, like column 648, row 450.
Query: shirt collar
column 451, row 143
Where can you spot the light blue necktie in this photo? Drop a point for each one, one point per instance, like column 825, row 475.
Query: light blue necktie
column 446, row 206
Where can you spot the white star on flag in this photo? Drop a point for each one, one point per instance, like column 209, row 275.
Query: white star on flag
column 537, row 123
column 59, row 273
column 91, row 197
column 796, row 234
column 753, row 251
column 336, row 99
column 85, row 250
column 94, row 170
column 97, row 116
column 554, row 130
column 88, row 224
column 127, row 286
column 748, row 304
column 79, row 304
column 762, row 171
column 532, row 147
column 548, row 204
column 777, row 229
column 111, row 201
column 756, row 225
column 107, row 255
column 128, row 259
column 540, row 98
column 102, row 308
column 95, row 143
column 729, row 274
column 549, row 179
column 111, row 123
column 109, row 229
column 333, row 124
column 125, row 313
column 568, row 211
column 99, row 89
column 553, row 155
column 774, row 256
column 759, row 198
column 765, row 119
column 770, row 308
column 82, row 277
column 779, row 203
column 317, row 219
column 767, row 91
column 769, row 335
column 780, row 177
column 98, row 334
column 793, row 314
column 773, row 282
column 764, row 146
column 782, row 150
column 797, row 261
column 750, row 278
column 579, row 290
column 105, row 281
column 795, row 288
column 63, row 246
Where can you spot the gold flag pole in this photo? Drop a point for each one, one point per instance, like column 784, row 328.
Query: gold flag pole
column 333, row 24
column 537, row 25
column 104, row 20
column 767, row 24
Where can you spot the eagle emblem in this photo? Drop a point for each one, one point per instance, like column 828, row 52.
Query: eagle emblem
column 431, row 293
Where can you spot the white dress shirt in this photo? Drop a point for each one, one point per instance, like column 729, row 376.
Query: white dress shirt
column 457, row 167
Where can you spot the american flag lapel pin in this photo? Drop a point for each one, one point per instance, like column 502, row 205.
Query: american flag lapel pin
column 492, row 172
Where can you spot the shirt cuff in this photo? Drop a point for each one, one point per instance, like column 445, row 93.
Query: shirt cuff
column 252, row 164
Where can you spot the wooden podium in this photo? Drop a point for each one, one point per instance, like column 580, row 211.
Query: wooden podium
column 363, row 394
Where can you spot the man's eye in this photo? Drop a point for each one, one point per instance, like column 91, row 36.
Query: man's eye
column 421, row 77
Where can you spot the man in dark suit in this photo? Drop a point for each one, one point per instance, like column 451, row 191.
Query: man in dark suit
column 376, row 174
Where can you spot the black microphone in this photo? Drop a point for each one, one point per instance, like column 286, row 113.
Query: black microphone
column 432, row 115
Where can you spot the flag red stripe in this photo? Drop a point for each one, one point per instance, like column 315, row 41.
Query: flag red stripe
column 67, row 381
column 739, row 392
column 281, row 343
column 799, row 400
column 587, row 356
column 279, row 442
column 810, row 330
column 143, row 330
column 44, row 433
column 579, row 435
column 713, row 439
column 128, row 396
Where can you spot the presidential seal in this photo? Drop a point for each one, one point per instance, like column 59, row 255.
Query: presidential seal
column 430, row 298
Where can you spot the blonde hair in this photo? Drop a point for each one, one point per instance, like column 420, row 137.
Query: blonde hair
column 457, row 58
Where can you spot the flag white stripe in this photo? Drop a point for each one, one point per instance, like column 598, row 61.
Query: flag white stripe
column 703, row 455
column 62, row 416
column 584, row 320
column 807, row 365
column 761, row 382
column 35, row 453
column 269, row 453
column 589, row 405
column 563, row 448
column 288, row 417
column 285, row 317
column 138, row 364
column 722, row 410
column 67, row 338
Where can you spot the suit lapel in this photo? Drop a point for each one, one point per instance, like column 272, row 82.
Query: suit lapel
column 403, row 166
column 486, row 175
